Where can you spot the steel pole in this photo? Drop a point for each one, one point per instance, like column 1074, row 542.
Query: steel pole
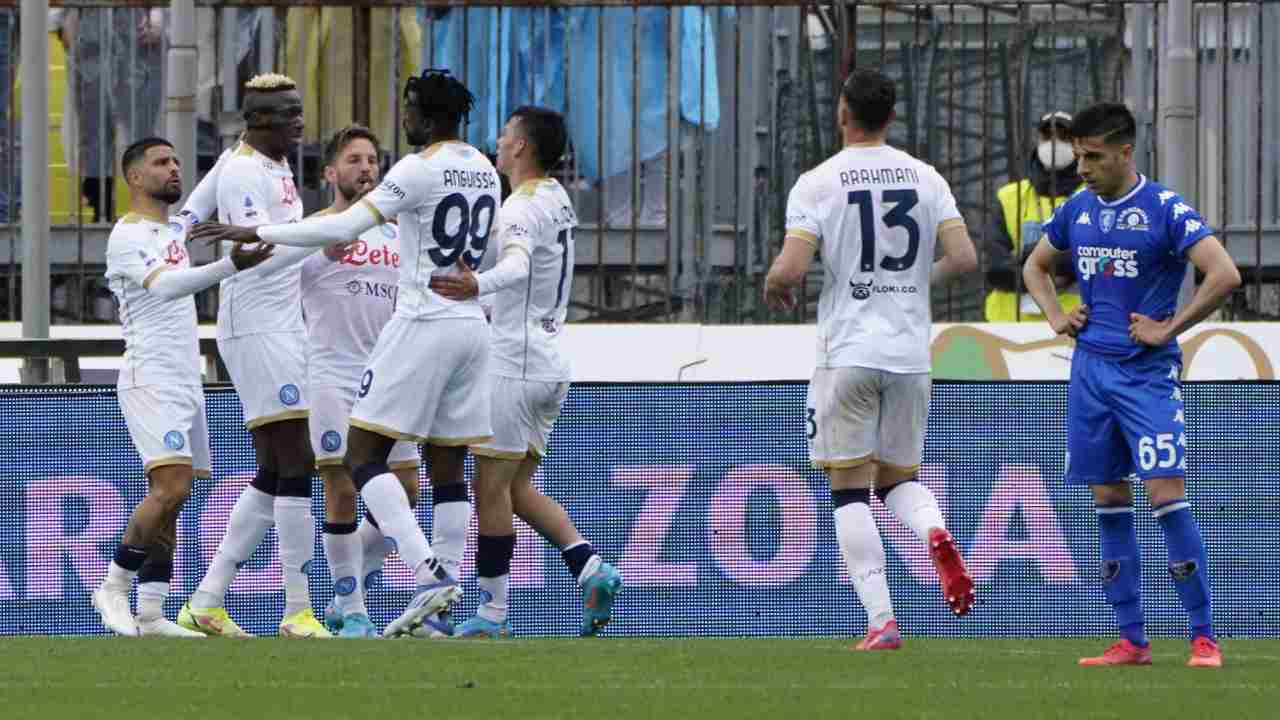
column 35, row 181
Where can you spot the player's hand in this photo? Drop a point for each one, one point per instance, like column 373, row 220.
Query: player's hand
column 462, row 286
column 1073, row 322
column 777, row 297
column 337, row 251
column 1146, row 331
column 246, row 256
column 214, row 233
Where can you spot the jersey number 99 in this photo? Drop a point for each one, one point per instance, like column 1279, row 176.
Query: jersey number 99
column 470, row 238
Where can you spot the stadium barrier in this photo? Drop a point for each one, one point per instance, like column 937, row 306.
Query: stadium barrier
column 703, row 497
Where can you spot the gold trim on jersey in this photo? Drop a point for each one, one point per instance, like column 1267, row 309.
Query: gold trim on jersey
column 804, row 235
column 456, row 442
column 404, row 465
column 377, row 214
column 843, row 464
column 321, row 213
column 530, row 186
column 867, row 144
column 385, row 431
column 133, row 216
column 166, row 461
column 950, row 223
column 331, row 461
column 497, row 454
column 276, row 417
column 435, row 147
column 245, row 149
column 151, row 276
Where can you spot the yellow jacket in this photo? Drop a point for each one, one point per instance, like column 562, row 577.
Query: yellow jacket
column 1022, row 211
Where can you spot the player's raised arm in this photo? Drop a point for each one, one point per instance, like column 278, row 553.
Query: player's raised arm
column 1220, row 278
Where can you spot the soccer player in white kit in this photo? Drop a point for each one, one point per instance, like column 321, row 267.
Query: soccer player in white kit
column 876, row 214
column 532, row 282
column 427, row 379
column 262, row 340
column 159, row 385
column 348, row 295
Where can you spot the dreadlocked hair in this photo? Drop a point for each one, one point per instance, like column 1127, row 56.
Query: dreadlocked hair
column 442, row 96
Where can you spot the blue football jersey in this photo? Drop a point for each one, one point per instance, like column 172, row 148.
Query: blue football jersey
column 1130, row 255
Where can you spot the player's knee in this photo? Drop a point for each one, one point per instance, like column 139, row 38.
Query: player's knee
column 172, row 496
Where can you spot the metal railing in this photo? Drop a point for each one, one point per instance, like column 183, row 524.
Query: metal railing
column 689, row 122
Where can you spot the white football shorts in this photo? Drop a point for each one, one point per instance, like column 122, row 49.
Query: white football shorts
column 330, row 410
column 269, row 371
column 167, row 425
column 427, row 382
column 523, row 413
column 857, row 415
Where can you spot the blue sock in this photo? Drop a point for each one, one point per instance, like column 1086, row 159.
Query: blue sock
column 1188, row 564
column 1122, row 570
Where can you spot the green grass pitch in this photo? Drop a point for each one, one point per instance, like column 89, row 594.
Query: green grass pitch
column 44, row 678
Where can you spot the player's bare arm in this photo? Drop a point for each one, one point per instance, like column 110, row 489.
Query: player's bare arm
column 1220, row 278
column 959, row 256
column 788, row 270
column 315, row 232
column 1037, row 277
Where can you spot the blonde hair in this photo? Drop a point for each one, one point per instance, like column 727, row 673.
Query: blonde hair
column 270, row 82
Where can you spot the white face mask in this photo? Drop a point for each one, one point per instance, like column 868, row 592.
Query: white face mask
column 1055, row 154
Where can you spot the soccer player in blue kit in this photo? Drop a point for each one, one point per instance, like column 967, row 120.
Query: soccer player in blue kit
column 1130, row 239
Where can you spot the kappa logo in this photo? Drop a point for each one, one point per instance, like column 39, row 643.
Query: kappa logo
column 1083, row 219
column 1193, row 227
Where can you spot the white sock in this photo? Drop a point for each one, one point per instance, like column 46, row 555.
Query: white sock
column 386, row 500
column 917, row 508
column 251, row 518
column 589, row 569
column 864, row 556
column 151, row 597
column 343, row 552
column 118, row 577
column 373, row 553
column 449, row 534
column 297, row 529
column 494, row 594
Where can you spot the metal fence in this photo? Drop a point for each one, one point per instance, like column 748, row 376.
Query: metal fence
column 689, row 123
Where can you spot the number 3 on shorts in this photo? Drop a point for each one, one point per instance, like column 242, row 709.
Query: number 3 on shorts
column 366, row 381
column 812, row 422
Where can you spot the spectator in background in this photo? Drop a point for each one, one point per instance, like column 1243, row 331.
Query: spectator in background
column 1021, row 208
column 117, row 61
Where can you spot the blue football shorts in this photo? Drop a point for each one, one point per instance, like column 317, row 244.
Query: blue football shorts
column 1125, row 418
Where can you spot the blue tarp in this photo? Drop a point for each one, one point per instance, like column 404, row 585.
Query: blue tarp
column 552, row 58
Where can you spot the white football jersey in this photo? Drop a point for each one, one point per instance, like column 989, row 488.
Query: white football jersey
column 255, row 190
column 445, row 200
column 874, row 213
column 528, row 316
column 160, row 339
column 346, row 303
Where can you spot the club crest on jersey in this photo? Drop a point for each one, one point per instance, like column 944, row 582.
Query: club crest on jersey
column 1134, row 218
column 549, row 326
column 289, row 394
column 1107, row 219
column 330, row 441
column 388, row 231
column 248, row 207
column 174, row 440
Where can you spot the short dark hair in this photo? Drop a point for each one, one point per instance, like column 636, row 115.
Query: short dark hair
column 870, row 95
column 1113, row 122
column 135, row 152
column 441, row 96
column 345, row 137
column 545, row 127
